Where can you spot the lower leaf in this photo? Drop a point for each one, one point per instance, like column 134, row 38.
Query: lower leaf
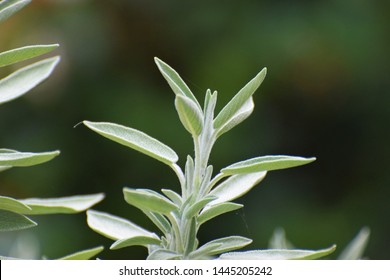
column 10, row 221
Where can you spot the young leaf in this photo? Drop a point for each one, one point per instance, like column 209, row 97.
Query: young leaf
column 204, row 252
column 163, row 254
column 235, row 187
column 135, row 241
column 175, row 197
column 196, row 207
column 160, row 221
column 24, row 53
column 10, row 221
column 134, row 139
column 265, row 163
column 242, row 114
column 239, row 100
column 227, row 244
column 190, row 115
column 22, row 80
column 355, row 249
column 216, row 210
column 148, row 200
column 9, row 7
column 114, row 227
column 13, row 205
column 276, row 254
column 65, row 205
column 176, row 83
column 14, row 158
column 83, row 255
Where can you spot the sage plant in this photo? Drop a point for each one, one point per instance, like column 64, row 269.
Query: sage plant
column 203, row 195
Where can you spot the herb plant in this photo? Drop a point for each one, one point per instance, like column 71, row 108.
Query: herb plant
column 14, row 212
column 202, row 197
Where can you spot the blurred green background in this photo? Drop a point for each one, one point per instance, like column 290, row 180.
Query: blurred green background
column 326, row 94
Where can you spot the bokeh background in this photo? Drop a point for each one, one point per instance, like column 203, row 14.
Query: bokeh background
column 327, row 94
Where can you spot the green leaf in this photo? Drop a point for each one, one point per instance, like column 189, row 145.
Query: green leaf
column 216, row 210
column 239, row 100
column 21, row 159
column 355, row 249
column 226, row 244
column 10, row 221
column 236, row 186
column 176, row 83
column 175, row 197
column 266, row 163
column 204, row 252
column 196, row 207
column 163, row 254
column 114, row 227
column 242, row 114
column 9, row 7
column 83, row 255
column 148, row 200
column 136, row 241
column 134, row 139
column 24, row 79
column 160, row 221
column 64, row 205
column 24, row 53
column 13, row 205
column 190, row 115
column 276, row 254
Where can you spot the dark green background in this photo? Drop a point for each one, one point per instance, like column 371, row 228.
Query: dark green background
column 326, row 94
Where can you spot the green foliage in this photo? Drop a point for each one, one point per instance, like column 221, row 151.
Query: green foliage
column 14, row 212
column 203, row 197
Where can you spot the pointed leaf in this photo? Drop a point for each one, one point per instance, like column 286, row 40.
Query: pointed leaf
column 114, row 227
column 13, row 205
column 14, row 158
column 266, row 163
column 9, row 7
column 190, row 115
column 134, row 139
column 239, row 100
column 160, row 221
column 175, row 197
column 84, row 255
column 163, row 254
column 236, row 186
column 3, row 168
column 276, row 254
column 148, row 200
column 242, row 114
column 204, row 252
column 176, row 83
column 195, row 208
column 216, row 210
column 24, row 53
column 64, row 205
column 135, row 241
column 227, row 244
column 355, row 249
column 21, row 81
column 10, row 221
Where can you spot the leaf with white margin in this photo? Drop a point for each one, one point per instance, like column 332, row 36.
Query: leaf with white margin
column 26, row 78
column 114, row 227
column 235, row 187
column 266, row 163
column 148, row 200
column 226, row 244
column 10, row 221
column 9, row 7
column 134, row 139
column 176, row 83
column 83, row 255
column 13, row 205
column 135, row 241
column 238, row 101
column 276, row 254
column 10, row 158
column 63, row 205
column 242, row 114
column 24, row 53
column 355, row 248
